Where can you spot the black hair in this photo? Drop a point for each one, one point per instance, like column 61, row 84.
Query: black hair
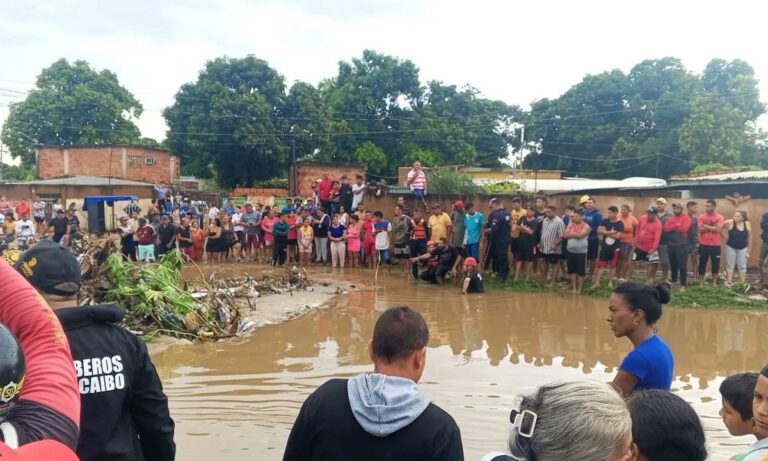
column 570, row 207
column 691, row 203
column 354, row 217
column 648, row 298
column 399, row 332
column 378, row 214
column 142, row 221
column 739, row 390
column 399, row 207
column 613, row 208
column 665, row 427
column 712, row 202
column 542, row 197
column 743, row 214
column 517, row 200
column 552, row 208
column 764, row 371
column 469, row 205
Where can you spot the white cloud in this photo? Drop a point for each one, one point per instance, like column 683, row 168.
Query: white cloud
column 514, row 51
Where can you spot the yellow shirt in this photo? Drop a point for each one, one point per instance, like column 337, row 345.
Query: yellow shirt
column 516, row 216
column 439, row 225
column 10, row 226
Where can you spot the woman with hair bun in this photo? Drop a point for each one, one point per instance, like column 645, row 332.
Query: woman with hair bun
column 567, row 421
column 634, row 309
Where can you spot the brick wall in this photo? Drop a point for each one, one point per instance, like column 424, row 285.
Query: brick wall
column 125, row 162
column 302, row 179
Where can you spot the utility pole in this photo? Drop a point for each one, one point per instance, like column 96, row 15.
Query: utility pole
column 295, row 175
column 522, row 144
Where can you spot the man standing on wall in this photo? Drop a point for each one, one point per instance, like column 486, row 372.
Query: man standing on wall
column 324, row 188
column 417, row 180
column 345, row 193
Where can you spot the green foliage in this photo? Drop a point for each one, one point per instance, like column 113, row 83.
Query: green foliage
column 71, row 104
column 372, row 156
column 450, row 181
column 708, row 168
column 272, row 183
column 501, row 188
column 17, row 172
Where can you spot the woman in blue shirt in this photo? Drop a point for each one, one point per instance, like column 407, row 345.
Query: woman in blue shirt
column 634, row 309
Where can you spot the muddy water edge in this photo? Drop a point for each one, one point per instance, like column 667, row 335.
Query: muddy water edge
column 237, row 400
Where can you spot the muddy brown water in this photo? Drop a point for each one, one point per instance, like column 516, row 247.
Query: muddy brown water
column 238, row 400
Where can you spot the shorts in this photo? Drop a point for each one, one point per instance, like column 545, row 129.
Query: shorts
column 641, row 255
column 576, row 263
column 212, row 246
column 240, row 236
column 369, row 247
column 609, row 257
column 401, row 251
column 525, row 252
column 384, row 255
column 292, row 242
column 735, row 259
column 664, row 254
column 147, row 252
column 625, row 247
column 514, row 245
column 57, row 237
column 418, row 193
column 307, row 250
column 593, row 248
column 39, row 220
column 251, row 241
column 442, row 270
column 551, row 258
column 189, row 251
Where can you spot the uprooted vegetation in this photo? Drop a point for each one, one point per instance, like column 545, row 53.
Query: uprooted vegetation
column 158, row 300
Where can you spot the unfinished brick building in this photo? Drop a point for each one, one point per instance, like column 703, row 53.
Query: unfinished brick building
column 135, row 163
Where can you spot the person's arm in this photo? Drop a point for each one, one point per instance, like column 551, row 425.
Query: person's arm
column 585, row 231
column 602, row 230
column 465, row 285
column 149, row 409
column 411, row 176
column 423, row 257
column 748, row 228
column 49, row 405
column 625, row 382
column 455, row 268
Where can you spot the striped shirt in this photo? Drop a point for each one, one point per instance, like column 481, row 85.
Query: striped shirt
column 551, row 230
column 419, row 179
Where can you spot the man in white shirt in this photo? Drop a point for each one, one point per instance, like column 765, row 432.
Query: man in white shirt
column 25, row 232
column 358, row 192
column 213, row 212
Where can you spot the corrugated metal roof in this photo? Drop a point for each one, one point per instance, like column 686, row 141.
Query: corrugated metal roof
column 762, row 174
column 85, row 181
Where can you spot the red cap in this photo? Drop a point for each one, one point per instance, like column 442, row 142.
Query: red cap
column 48, row 450
column 431, row 242
column 458, row 204
column 470, row 261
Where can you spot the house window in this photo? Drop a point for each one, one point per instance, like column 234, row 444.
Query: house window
column 134, row 161
column 149, row 160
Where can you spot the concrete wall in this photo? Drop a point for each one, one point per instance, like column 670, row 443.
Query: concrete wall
column 19, row 192
column 754, row 208
column 304, row 175
column 486, row 174
column 259, row 195
column 125, row 162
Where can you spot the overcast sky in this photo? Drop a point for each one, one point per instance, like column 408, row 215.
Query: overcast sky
column 510, row 50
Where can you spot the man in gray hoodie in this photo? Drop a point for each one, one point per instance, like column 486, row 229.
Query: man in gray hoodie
column 380, row 415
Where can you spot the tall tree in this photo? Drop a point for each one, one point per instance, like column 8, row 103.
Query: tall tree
column 229, row 123
column 71, row 104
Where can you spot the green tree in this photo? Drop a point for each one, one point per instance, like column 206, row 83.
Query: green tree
column 229, row 124
column 71, row 104
column 371, row 155
column 308, row 119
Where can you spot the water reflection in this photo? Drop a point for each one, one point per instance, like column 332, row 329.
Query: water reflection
column 484, row 349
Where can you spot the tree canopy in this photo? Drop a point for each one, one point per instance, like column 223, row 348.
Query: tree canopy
column 71, row 104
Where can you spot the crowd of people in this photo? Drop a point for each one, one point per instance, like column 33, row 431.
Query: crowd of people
column 382, row 415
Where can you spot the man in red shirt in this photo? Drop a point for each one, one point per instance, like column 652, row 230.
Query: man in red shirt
column 676, row 231
column 648, row 238
column 147, row 238
column 23, row 207
column 369, row 239
column 324, row 188
column 710, row 240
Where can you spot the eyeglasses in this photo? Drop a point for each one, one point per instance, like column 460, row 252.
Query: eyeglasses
column 524, row 422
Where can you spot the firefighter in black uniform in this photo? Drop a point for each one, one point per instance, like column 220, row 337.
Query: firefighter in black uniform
column 499, row 235
column 124, row 410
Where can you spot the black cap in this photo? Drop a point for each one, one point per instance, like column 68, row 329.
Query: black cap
column 51, row 268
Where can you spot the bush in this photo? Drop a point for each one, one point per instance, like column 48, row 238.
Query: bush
column 449, row 181
column 272, row 183
column 502, row 188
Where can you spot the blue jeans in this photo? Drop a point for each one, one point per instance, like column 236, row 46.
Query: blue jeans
column 473, row 250
column 384, row 256
column 419, row 193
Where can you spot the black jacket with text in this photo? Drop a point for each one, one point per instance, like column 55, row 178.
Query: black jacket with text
column 124, row 413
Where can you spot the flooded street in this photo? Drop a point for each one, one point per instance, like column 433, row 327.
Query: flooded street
column 238, row 400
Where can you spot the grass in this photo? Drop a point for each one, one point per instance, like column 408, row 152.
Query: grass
column 706, row 297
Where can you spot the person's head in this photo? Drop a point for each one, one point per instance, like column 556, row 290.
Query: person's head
column 368, row 215
column 325, row 175
column 551, row 212
column 195, row 224
column 354, row 219
column 583, row 200
column 431, row 246
column 677, row 209
column 378, row 215
column 443, row 243
column 359, row 178
column 710, row 206
column 470, row 207
column 401, row 200
column 360, row 207
column 636, row 305
column 267, row 212
column 335, row 220
column 517, row 203
column 217, row 222
column 577, row 216
column 626, row 210
column 495, row 204
column 760, row 404
column 398, row 210
column 53, row 271
column 692, row 207
column 541, row 202
column 590, row 204
column 470, row 263
column 231, row 201
column 458, row 205
column 665, row 427
column 185, row 223
column 399, row 344
column 530, row 213
column 417, row 214
column 283, row 216
column 9, row 216
column 61, row 213
column 142, row 222
column 225, row 218
column 275, row 208
column 661, row 205
column 740, row 216
column 342, row 209
column 166, row 219
column 310, row 202
column 737, row 392
column 336, row 185
column 575, row 420
column 417, row 165
column 153, row 201
column 652, row 213
column 13, row 370
column 436, row 210
column 613, row 213
column 297, row 201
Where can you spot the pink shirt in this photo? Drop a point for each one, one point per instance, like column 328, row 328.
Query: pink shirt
column 419, row 179
column 712, row 238
column 648, row 234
